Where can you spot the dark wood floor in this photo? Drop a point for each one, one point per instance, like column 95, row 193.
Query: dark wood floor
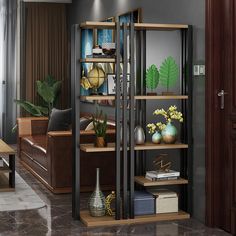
column 55, row 219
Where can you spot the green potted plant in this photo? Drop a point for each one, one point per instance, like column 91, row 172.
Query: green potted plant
column 48, row 90
column 169, row 72
column 100, row 128
column 152, row 79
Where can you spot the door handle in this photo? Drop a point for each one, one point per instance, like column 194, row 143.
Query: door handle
column 222, row 94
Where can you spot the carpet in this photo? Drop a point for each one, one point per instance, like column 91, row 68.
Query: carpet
column 23, row 198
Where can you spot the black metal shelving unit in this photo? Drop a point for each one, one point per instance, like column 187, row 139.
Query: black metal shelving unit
column 133, row 156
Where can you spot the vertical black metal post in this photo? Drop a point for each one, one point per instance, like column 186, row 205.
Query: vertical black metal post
column 189, row 75
column 124, row 136
column 132, row 117
column 12, row 168
column 183, row 125
column 118, row 114
column 143, row 92
column 75, row 103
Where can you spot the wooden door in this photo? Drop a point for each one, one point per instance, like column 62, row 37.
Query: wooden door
column 221, row 114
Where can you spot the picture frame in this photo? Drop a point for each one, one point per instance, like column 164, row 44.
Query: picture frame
column 111, row 84
column 104, row 35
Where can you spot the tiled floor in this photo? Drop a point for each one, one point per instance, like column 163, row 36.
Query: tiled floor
column 55, row 219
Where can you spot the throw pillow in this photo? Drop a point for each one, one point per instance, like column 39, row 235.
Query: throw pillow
column 84, row 122
column 60, row 120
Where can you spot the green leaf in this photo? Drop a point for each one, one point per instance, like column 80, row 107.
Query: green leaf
column 30, row 108
column 50, row 81
column 45, row 91
column 169, row 72
column 152, row 77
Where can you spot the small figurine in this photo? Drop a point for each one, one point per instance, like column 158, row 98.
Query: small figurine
column 160, row 165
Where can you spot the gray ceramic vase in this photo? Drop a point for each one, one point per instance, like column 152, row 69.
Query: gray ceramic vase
column 139, row 135
column 97, row 200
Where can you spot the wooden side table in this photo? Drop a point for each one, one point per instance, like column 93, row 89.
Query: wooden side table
column 7, row 183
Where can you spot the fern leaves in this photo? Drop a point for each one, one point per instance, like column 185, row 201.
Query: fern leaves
column 152, row 77
column 169, row 72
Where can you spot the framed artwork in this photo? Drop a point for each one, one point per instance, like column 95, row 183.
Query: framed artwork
column 105, row 35
column 111, row 82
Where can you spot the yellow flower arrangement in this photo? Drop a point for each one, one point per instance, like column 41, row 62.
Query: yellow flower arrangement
column 171, row 114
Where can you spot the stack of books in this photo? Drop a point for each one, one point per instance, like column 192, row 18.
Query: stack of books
column 162, row 175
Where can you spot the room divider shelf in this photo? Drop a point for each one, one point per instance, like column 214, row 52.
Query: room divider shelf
column 90, row 221
column 89, row 147
column 148, row 183
column 138, row 97
column 131, row 106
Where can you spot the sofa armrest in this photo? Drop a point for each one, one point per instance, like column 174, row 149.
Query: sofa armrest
column 32, row 126
column 59, row 157
column 59, row 133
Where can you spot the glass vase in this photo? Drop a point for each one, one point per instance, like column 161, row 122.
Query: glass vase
column 97, row 200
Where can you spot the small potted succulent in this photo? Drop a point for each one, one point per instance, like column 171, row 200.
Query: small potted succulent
column 100, row 128
column 168, row 130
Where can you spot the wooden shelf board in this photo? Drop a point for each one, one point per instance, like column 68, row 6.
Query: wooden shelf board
column 98, row 97
column 138, row 26
column 98, row 60
column 97, row 25
column 90, row 221
column 6, row 149
column 146, row 182
column 160, row 97
column 151, row 26
column 91, row 132
column 89, row 147
column 138, row 97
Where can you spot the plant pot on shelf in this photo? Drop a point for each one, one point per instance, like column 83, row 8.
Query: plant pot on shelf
column 169, row 134
column 151, row 94
column 167, row 93
column 100, row 142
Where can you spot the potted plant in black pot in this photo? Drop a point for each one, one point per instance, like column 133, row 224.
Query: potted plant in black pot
column 100, row 128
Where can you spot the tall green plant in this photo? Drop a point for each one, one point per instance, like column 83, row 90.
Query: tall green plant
column 152, row 77
column 48, row 90
column 100, row 124
column 169, row 72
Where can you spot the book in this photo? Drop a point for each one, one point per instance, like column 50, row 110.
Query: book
column 160, row 179
column 162, row 174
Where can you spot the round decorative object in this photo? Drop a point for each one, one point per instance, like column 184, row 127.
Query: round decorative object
column 156, row 137
column 169, row 134
column 97, row 200
column 108, row 202
column 139, row 135
column 96, row 77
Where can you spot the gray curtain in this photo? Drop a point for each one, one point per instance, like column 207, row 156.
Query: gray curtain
column 8, row 68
